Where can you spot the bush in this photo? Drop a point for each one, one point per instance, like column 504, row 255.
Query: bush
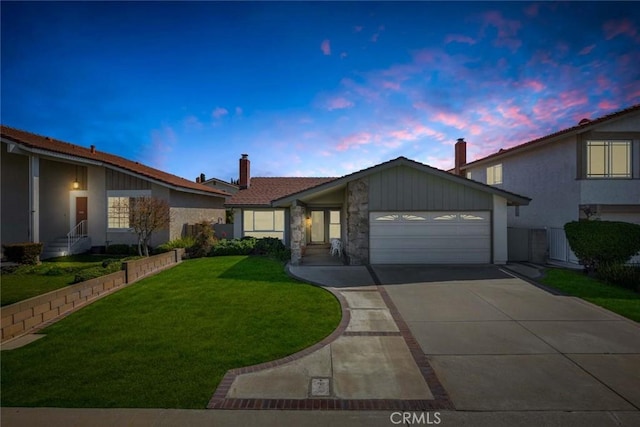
column 184, row 242
column 268, row 246
column 627, row 276
column 23, row 253
column 234, row 247
column 602, row 242
column 203, row 241
column 122, row 249
column 93, row 272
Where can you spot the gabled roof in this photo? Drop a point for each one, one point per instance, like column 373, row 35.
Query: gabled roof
column 32, row 141
column 583, row 126
column 263, row 191
column 512, row 198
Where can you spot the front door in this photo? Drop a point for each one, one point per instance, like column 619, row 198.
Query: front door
column 317, row 227
column 81, row 209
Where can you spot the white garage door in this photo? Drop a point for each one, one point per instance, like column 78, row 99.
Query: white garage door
column 430, row 237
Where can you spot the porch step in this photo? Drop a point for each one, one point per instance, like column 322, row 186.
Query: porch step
column 59, row 247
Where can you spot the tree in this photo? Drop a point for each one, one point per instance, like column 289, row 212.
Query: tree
column 147, row 215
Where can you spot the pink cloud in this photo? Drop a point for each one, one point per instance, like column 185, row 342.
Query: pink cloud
column 343, row 55
column 192, row 123
column 608, row 105
column 219, row 112
column 354, row 140
column 515, row 115
column 391, row 85
column 459, row 38
column 507, row 29
column 365, row 92
column 532, row 10
column 338, row 103
column 614, row 28
column 325, row 47
column 449, row 119
column 587, row 49
column 535, row 85
column 239, row 111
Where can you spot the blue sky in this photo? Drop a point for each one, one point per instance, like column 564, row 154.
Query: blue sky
column 312, row 89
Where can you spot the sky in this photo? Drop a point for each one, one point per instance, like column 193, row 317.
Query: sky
column 311, row 88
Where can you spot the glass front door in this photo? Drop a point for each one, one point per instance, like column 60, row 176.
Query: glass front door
column 317, row 227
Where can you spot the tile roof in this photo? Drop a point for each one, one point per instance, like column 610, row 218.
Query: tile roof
column 32, row 140
column 263, row 190
column 584, row 124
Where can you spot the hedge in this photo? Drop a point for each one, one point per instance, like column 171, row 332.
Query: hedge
column 23, row 253
column 597, row 242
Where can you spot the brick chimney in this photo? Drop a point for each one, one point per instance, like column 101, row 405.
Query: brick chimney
column 460, row 156
column 245, row 174
column 202, row 178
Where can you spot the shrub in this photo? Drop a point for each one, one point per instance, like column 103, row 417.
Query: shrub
column 627, row 276
column 243, row 246
column 203, row 241
column 122, row 249
column 93, row 272
column 23, row 253
column 602, row 242
column 184, row 242
column 268, row 246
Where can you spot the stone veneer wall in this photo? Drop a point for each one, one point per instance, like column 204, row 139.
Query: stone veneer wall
column 23, row 316
column 358, row 222
column 298, row 235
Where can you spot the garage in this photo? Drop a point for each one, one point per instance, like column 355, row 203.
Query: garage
column 428, row 237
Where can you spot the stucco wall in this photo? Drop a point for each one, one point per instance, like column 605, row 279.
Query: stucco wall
column 97, row 200
column 548, row 177
column 357, row 248
column 187, row 208
column 56, row 180
column 500, row 254
column 14, row 173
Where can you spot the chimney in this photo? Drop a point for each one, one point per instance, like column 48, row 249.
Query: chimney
column 202, row 178
column 245, row 174
column 198, row 179
column 460, row 156
column 93, row 149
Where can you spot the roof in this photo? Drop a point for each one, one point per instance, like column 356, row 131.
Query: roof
column 512, row 198
column 34, row 141
column 263, row 191
column 583, row 126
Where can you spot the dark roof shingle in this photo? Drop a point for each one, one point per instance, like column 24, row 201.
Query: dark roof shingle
column 263, row 190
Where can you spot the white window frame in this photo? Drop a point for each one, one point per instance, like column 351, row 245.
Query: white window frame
column 126, row 194
column 251, row 227
column 608, row 146
column 494, row 174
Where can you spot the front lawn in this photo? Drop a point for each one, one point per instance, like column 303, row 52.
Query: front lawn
column 619, row 300
column 167, row 341
column 28, row 281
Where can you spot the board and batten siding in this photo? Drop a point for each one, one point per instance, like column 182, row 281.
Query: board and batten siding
column 122, row 181
column 405, row 189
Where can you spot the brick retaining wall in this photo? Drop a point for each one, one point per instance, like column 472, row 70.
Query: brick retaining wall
column 23, row 316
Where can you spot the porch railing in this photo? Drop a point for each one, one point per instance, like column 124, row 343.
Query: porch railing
column 76, row 233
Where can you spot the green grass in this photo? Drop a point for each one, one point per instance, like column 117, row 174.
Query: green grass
column 619, row 300
column 32, row 280
column 167, row 341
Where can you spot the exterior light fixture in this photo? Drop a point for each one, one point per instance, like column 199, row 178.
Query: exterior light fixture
column 76, row 184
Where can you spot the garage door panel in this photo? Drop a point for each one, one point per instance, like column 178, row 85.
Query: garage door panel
column 430, row 237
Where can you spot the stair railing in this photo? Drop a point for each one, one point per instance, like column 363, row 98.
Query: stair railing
column 76, row 233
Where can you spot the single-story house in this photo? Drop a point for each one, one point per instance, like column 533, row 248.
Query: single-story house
column 66, row 195
column 590, row 170
column 397, row 212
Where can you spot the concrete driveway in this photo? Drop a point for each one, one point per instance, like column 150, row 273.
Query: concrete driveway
column 498, row 343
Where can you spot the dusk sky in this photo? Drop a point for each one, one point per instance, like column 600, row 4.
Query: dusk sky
column 312, row 89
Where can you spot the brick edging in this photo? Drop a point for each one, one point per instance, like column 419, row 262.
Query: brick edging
column 441, row 398
column 219, row 400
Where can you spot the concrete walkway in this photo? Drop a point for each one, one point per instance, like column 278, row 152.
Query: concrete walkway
column 484, row 349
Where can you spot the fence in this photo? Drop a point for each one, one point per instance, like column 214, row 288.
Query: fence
column 24, row 316
column 559, row 249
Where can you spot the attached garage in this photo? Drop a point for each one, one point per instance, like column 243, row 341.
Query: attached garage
column 427, row 237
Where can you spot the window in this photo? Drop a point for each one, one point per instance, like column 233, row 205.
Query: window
column 334, row 225
column 494, row 174
column 608, row 159
column 264, row 223
column 118, row 212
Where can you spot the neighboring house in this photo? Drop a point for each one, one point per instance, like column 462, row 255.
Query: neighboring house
column 398, row 212
column 592, row 169
column 52, row 189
